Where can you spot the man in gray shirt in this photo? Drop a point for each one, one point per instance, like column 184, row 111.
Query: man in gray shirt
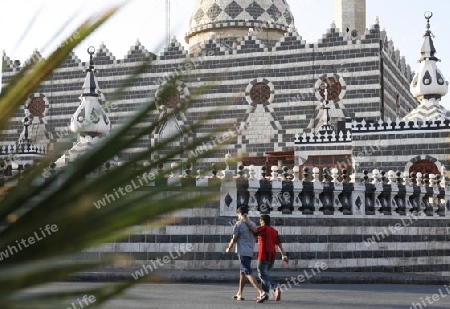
column 245, row 241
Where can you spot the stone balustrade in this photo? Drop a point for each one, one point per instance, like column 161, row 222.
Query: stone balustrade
column 23, row 148
column 354, row 127
column 375, row 194
column 283, row 193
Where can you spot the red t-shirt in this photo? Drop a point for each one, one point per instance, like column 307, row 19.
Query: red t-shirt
column 267, row 239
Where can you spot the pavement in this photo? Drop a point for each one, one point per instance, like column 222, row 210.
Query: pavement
column 292, row 276
column 305, row 296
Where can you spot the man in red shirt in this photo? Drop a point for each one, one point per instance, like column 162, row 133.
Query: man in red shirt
column 268, row 240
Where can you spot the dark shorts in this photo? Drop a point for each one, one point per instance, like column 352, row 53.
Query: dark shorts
column 246, row 262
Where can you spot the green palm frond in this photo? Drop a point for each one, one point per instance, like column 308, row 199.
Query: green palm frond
column 36, row 70
column 66, row 202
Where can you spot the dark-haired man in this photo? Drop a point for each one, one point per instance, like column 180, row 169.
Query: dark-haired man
column 268, row 239
column 245, row 242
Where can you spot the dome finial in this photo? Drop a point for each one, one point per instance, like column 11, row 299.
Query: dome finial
column 90, row 85
column 428, row 50
column 428, row 15
column 91, row 51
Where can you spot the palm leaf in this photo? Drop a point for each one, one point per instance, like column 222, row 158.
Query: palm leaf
column 66, row 200
column 36, row 70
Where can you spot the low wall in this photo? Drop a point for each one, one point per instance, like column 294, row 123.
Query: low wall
column 195, row 239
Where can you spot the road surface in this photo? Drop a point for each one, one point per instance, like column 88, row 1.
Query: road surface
column 306, row 296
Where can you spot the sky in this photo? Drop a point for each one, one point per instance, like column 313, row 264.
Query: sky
column 145, row 20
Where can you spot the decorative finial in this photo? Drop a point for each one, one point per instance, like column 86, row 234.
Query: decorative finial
column 91, row 51
column 428, row 15
column 228, row 160
column 325, row 107
column 26, row 123
column 428, row 83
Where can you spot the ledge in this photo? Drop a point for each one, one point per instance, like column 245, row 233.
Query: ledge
column 222, row 276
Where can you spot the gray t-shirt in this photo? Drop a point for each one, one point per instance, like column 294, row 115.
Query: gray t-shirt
column 245, row 238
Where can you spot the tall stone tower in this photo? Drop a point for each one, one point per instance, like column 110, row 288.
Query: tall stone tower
column 350, row 16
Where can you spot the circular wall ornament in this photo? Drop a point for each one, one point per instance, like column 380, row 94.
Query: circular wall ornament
column 173, row 99
column 335, row 87
column 35, row 125
column 259, row 91
column 36, row 106
column 180, row 93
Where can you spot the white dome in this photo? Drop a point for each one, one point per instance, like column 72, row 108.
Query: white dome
column 428, row 82
column 217, row 15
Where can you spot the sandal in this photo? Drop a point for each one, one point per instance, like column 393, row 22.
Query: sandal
column 263, row 298
column 277, row 293
column 236, row 297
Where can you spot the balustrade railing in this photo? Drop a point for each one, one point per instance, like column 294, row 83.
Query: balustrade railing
column 371, row 194
column 336, row 193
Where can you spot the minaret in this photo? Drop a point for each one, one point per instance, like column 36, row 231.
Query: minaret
column 90, row 118
column 89, row 121
column 350, row 17
column 428, row 84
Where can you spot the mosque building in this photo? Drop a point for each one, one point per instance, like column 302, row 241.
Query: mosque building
column 278, row 88
column 346, row 105
column 287, row 102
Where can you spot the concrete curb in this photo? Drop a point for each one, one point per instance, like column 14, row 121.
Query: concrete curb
column 282, row 277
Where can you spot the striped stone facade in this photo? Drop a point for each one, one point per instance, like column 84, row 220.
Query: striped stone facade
column 386, row 145
column 292, row 69
column 367, row 79
column 397, row 148
column 353, row 243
